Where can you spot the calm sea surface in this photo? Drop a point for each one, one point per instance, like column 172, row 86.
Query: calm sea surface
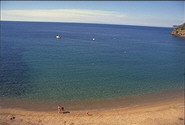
column 121, row 61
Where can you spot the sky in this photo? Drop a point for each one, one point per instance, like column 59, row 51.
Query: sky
column 144, row 13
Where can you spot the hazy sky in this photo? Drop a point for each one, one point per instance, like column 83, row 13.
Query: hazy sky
column 148, row 13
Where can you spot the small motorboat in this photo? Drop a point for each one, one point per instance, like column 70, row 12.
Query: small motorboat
column 58, row 36
column 93, row 39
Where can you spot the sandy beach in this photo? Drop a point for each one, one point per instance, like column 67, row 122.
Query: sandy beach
column 163, row 111
column 92, row 62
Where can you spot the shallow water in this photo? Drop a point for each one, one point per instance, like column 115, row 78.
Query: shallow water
column 122, row 61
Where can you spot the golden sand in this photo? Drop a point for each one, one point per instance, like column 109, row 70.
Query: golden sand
column 169, row 112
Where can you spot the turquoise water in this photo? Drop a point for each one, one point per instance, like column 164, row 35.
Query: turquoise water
column 122, row 61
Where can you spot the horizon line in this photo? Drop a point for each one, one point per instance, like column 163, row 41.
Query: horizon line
column 88, row 23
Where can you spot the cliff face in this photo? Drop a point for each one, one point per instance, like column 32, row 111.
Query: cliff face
column 179, row 31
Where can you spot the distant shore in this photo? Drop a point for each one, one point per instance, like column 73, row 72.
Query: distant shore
column 165, row 108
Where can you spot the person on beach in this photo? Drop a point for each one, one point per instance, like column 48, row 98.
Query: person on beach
column 59, row 108
column 62, row 108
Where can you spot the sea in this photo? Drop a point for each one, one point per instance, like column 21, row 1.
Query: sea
column 90, row 61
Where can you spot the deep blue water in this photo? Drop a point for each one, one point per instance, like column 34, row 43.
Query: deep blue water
column 122, row 61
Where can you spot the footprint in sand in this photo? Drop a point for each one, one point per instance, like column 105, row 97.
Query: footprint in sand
column 181, row 118
column 12, row 118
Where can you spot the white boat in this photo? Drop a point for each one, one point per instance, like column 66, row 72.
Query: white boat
column 93, row 39
column 58, row 36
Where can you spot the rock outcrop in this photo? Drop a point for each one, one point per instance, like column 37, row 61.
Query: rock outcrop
column 179, row 31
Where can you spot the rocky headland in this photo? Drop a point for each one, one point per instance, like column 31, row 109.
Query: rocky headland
column 179, row 31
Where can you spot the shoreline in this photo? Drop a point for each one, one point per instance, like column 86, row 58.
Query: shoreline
column 161, row 111
column 96, row 104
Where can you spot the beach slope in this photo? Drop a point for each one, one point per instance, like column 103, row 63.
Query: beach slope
column 160, row 113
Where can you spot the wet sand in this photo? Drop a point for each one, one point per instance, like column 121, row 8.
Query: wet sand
column 165, row 108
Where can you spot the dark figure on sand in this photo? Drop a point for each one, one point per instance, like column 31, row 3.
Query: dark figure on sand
column 62, row 108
